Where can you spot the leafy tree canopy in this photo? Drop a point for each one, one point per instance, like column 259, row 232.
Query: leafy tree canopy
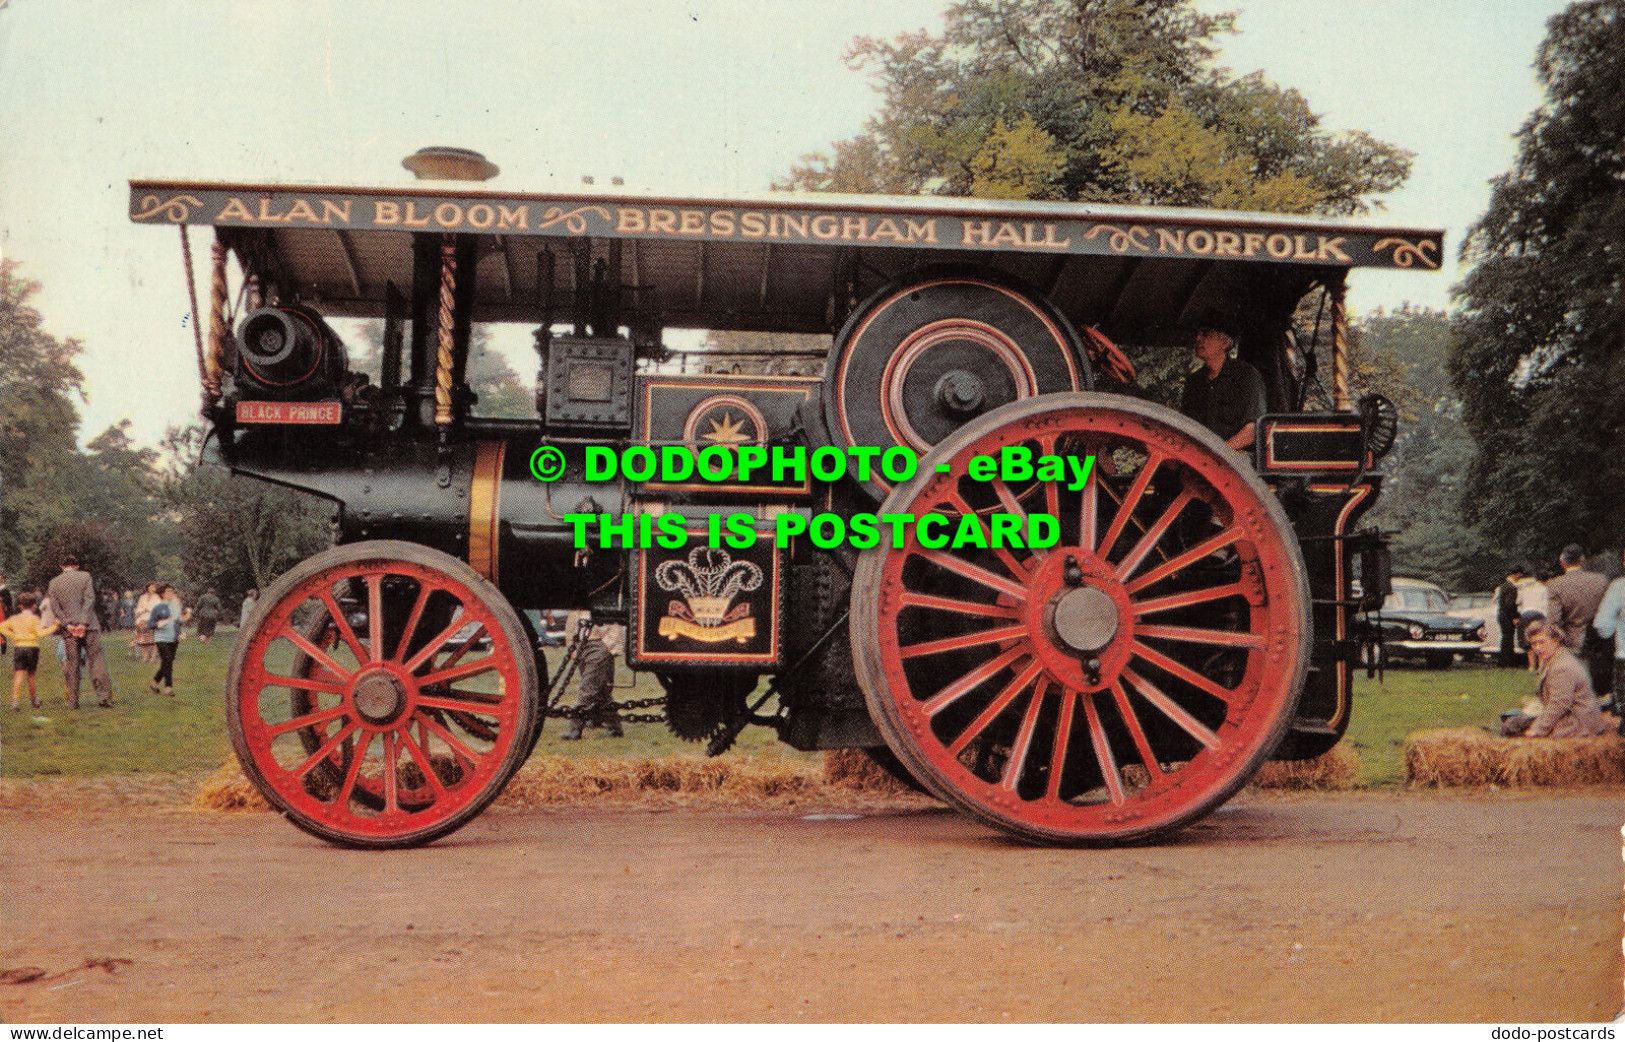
column 1538, row 359
column 1093, row 101
column 40, row 388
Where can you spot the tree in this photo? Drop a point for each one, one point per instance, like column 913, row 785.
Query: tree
column 234, row 532
column 1538, row 360
column 1094, row 101
column 39, row 421
column 1402, row 354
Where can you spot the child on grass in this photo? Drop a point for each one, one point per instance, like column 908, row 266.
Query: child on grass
column 23, row 630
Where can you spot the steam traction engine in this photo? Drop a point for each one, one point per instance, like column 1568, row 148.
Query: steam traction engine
column 1192, row 622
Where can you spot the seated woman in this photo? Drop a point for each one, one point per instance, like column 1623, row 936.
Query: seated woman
column 1568, row 708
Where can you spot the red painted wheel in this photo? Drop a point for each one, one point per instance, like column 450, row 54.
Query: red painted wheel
column 1110, row 688
column 383, row 695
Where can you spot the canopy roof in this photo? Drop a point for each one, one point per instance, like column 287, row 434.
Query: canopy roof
column 785, row 262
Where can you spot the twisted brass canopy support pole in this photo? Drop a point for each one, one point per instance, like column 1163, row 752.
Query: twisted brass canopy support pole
column 1340, row 346
column 219, row 330
column 442, row 372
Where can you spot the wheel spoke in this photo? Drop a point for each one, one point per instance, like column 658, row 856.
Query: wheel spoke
column 1023, row 744
column 1184, row 560
column 360, row 754
column 403, row 645
column 462, row 672
column 971, row 571
column 342, row 624
column 1015, row 567
column 1103, row 749
column 1148, row 542
column 1063, row 735
column 1173, row 710
column 1132, row 721
column 949, row 604
column 304, row 684
column 326, row 750
column 1013, row 506
column 1183, row 672
column 446, row 736
column 1185, row 600
column 1131, row 501
column 1198, row 635
column 392, row 796
column 422, row 759
column 316, row 653
column 967, row 640
column 375, row 616
column 466, row 704
column 1089, row 511
column 308, row 720
column 970, row 681
column 1000, row 703
column 439, row 641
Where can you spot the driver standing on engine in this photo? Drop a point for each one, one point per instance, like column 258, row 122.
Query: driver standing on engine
column 595, row 704
column 1226, row 395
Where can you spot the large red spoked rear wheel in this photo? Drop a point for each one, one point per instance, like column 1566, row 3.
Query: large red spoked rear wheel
column 1112, row 687
column 383, row 695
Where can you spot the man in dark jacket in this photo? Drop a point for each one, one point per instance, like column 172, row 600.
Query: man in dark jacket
column 1573, row 598
column 1226, row 395
column 1506, row 616
column 73, row 601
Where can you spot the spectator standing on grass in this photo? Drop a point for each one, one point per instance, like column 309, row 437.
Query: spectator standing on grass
column 1506, row 615
column 73, row 599
column 249, row 601
column 142, row 641
column 167, row 617
column 7, row 606
column 1610, row 623
column 23, row 631
column 208, row 615
column 126, row 610
column 1574, row 598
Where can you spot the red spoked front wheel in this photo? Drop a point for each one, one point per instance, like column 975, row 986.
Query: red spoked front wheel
column 1112, row 687
column 382, row 694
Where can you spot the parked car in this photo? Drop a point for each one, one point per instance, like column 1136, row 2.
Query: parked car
column 1479, row 606
column 1414, row 623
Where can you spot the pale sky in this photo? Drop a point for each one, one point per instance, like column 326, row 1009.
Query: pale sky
column 707, row 97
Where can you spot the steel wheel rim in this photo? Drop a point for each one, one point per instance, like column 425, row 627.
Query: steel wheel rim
column 383, row 738
column 983, row 699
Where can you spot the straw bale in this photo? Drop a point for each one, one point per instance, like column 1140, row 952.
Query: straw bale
column 1471, row 756
column 227, row 789
column 1335, row 769
column 857, row 770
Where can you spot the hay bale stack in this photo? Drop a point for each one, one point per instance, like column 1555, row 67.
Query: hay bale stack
column 227, row 789
column 676, row 779
column 856, row 770
column 1469, row 756
column 1335, row 769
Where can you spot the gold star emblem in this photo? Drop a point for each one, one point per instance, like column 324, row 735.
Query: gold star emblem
column 726, row 430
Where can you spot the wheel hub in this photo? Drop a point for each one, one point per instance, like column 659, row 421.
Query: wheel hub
column 1084, row 619
column 378, row 697
column 960, row 393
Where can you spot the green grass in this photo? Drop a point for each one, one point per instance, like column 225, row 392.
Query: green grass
column 1409, row 700
column 143, row 732
column 147, row 732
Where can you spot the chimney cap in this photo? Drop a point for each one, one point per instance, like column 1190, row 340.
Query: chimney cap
column 444, row 163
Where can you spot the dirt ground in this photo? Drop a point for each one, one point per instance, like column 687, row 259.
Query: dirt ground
column 1318, row 907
